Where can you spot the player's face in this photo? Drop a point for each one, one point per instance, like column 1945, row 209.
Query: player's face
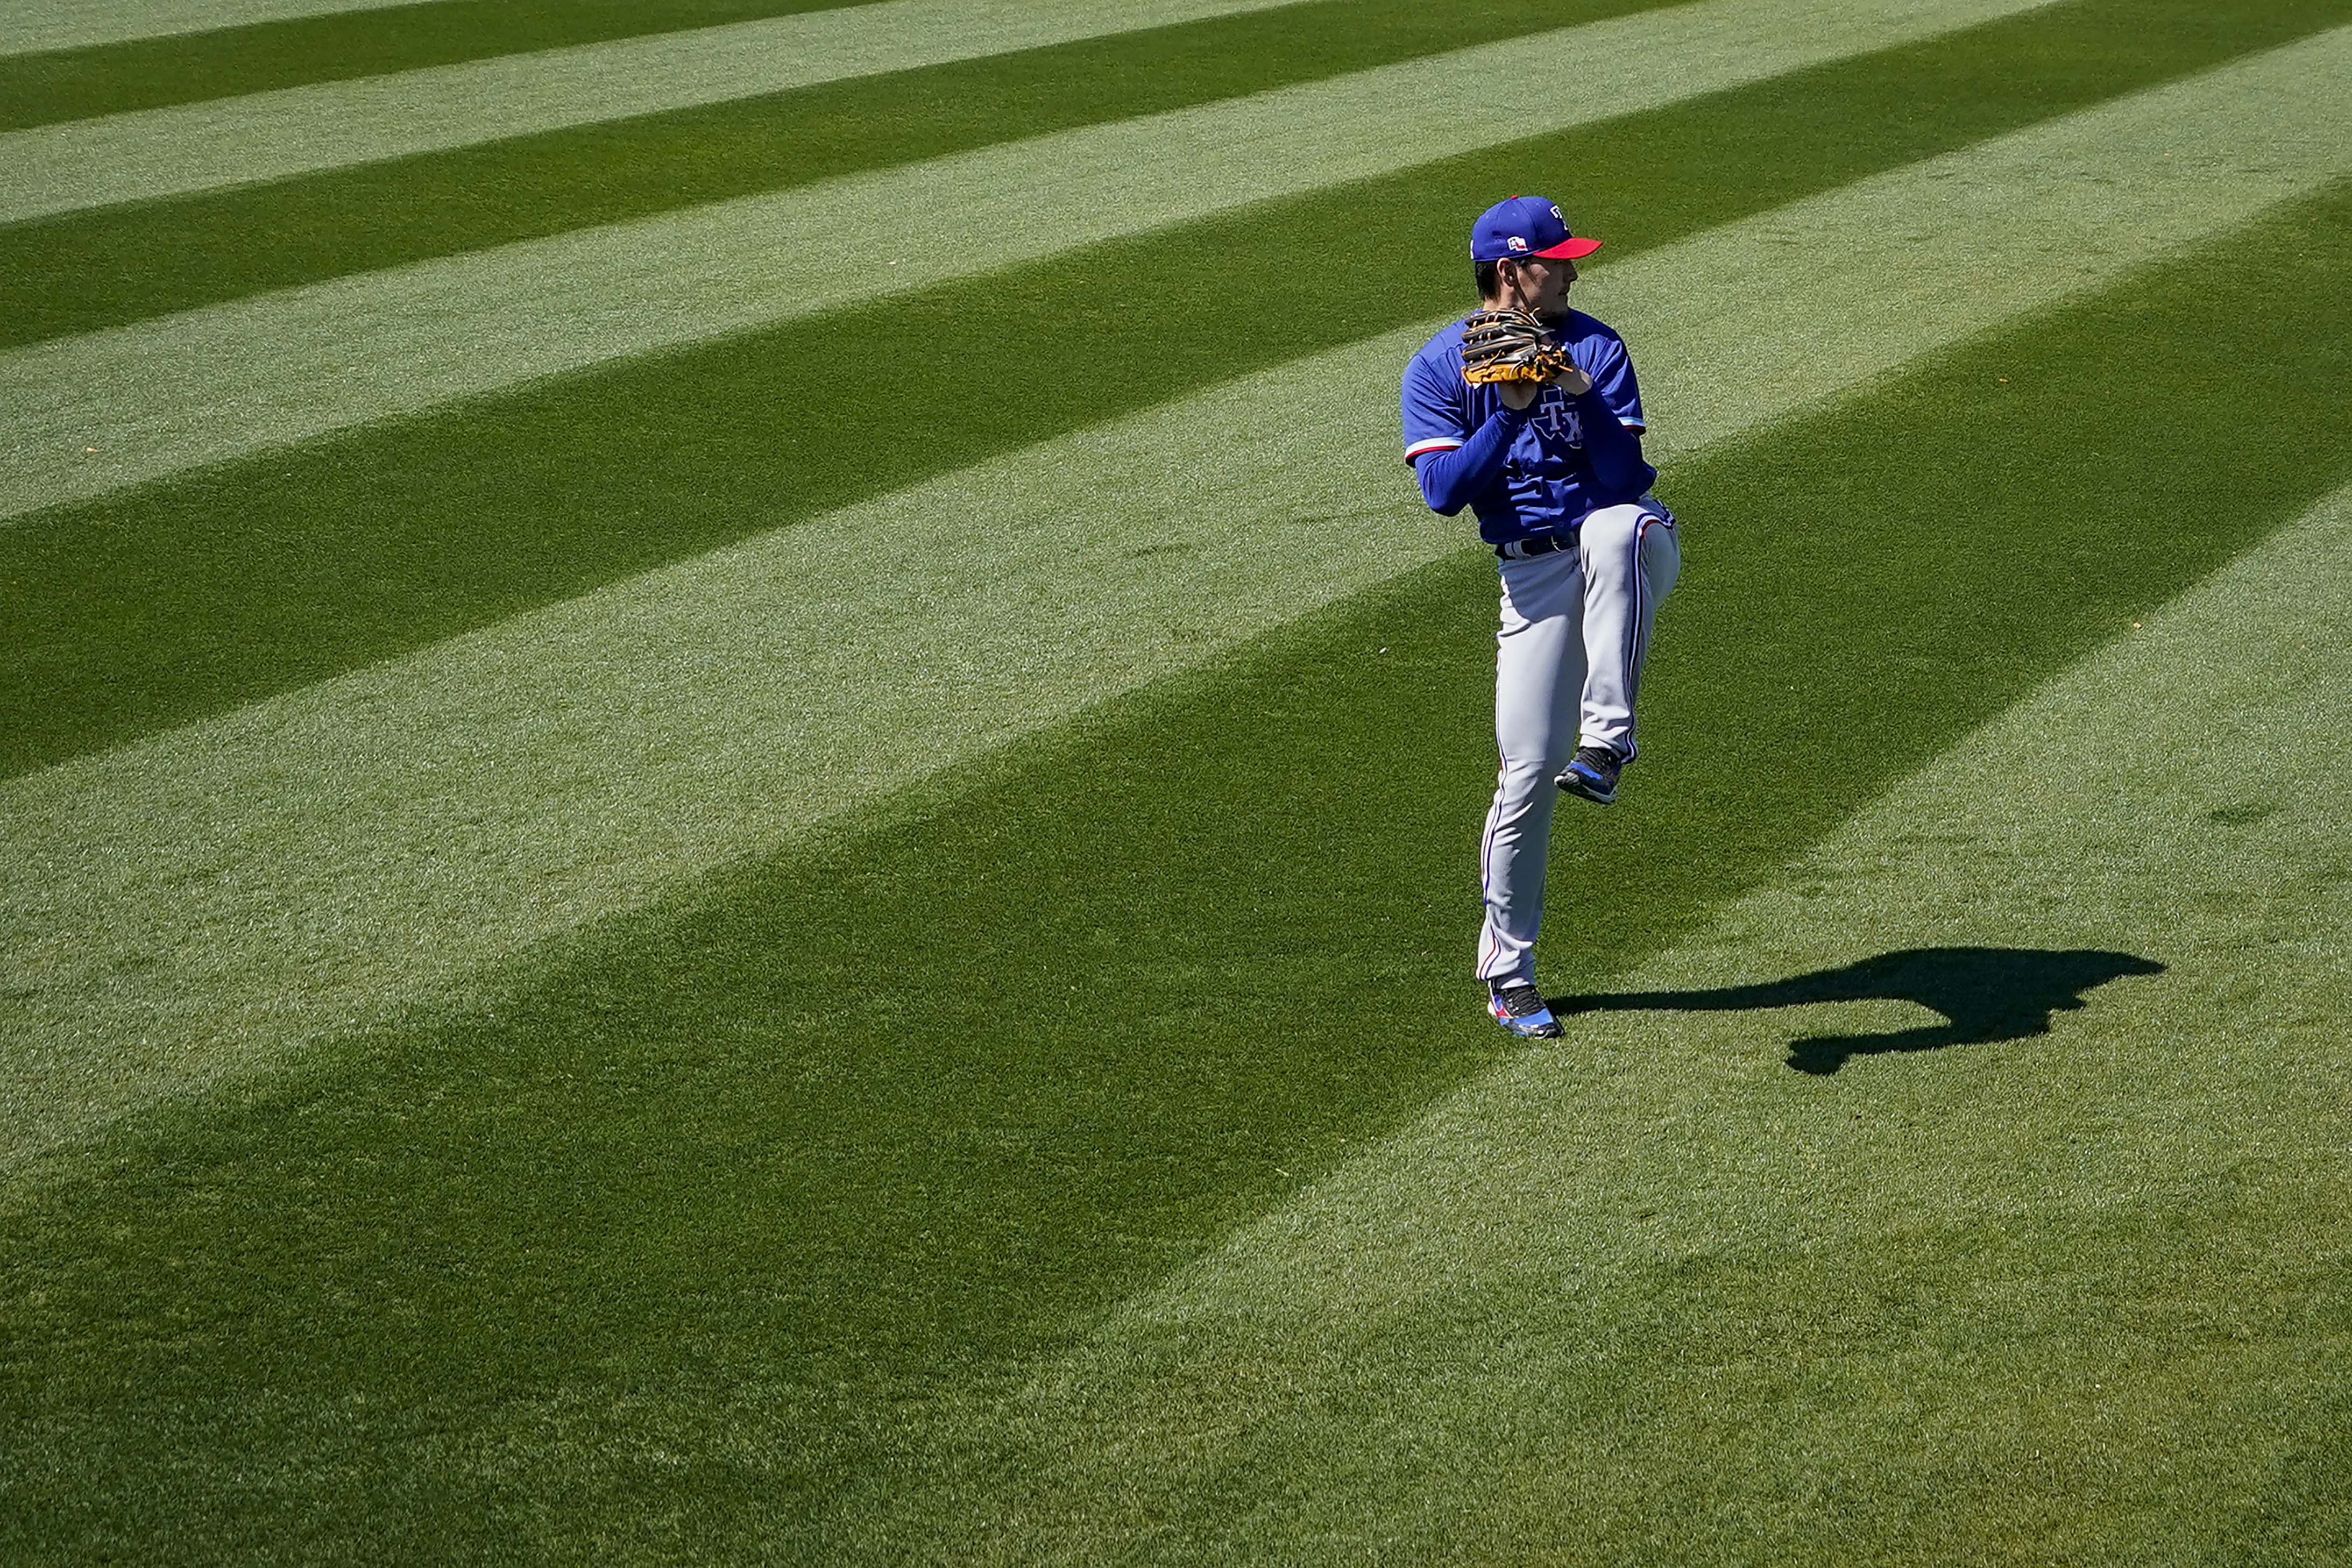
column 1542, row 284
column 1551, row 290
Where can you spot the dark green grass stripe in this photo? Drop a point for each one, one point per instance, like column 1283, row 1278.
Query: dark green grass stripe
column 186, row 68
column 159, row 605
column 739, row 1182
column 78, row 272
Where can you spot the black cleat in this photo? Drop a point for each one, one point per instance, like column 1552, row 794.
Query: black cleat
column 1522, row 1008
column 1592, row 775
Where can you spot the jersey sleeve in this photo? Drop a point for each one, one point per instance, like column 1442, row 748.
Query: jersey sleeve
column 1612, row 378
column 1436, row 414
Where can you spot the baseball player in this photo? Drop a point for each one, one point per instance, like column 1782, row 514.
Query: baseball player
column 1540, row 434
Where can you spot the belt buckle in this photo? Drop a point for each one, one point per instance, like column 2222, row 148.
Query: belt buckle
column 1530, row 548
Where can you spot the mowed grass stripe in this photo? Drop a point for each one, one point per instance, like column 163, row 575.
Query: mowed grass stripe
column 214, row 384
column 162, row 606
column 72, row 24
column 89, row 270
column 743, row 1202
column 199, row 904
column 269, row 136
column 232, row 51
column 2023, row 1284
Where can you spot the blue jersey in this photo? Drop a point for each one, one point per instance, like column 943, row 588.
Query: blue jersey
column 1546, row 481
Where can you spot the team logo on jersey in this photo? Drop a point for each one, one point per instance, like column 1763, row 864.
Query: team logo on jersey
column 1516, row 243
column 1557, row 418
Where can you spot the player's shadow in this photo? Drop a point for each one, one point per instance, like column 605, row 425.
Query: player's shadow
column 1984, row 994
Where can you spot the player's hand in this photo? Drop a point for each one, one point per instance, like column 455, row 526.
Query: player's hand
column 1521, row 394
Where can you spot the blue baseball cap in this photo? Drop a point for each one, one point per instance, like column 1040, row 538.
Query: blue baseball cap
column 1524, row 226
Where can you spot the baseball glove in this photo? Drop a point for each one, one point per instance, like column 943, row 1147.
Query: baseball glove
column 1505, row 345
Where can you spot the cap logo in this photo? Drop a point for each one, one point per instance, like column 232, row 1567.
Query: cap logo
column 1558, row 214
column 1516, row 243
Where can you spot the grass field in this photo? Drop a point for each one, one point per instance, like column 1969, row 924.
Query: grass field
column 739, row 790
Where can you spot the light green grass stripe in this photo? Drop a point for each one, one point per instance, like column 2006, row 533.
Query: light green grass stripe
column 326, row 125
column 1447, row 1303
column 205, row 901
column 157, row 397
column 27, row 27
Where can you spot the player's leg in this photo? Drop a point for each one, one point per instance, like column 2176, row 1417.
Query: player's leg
column 1631, row 559
column 1539, row 686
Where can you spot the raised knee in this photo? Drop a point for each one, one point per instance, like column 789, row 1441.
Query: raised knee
column 1609, row 526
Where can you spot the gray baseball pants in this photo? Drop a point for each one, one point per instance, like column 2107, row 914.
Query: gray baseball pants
column 1568, row 666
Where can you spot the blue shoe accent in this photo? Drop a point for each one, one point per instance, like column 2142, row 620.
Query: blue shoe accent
column 1593, row 775
column 1522, row 1008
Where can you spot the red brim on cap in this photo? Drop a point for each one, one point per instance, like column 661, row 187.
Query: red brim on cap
column 1571, row 249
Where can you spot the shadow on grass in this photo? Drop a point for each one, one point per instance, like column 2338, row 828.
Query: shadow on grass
column 1984, row 993
column 685, row 1239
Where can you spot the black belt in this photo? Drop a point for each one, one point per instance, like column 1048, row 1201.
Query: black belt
column 1540, row 544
